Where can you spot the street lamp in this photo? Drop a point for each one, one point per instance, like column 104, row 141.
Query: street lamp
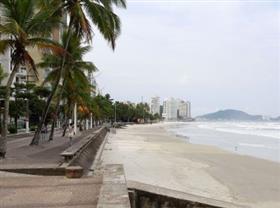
column 115, row 112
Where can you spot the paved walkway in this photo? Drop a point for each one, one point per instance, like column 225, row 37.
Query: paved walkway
column 46, row 153
column 55, row 192
column 29, row 191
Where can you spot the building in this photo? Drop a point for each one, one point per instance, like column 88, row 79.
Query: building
column 93, row 83
column 170, row 109
column 189, row 114
column 182, row 110
column 5, row 59
column 5, row 62
column 155, row 105
column 176, row 109
column 24, row 74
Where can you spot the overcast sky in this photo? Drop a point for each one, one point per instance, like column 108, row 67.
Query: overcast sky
column 216, row 54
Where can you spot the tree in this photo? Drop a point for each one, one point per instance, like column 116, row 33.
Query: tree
column 17, row 107
column 3, row 75
column 75, row 87
column 104, row 109
column 100, row 12
column 23, row 26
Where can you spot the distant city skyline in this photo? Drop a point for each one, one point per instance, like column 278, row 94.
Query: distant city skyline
column 217, row 55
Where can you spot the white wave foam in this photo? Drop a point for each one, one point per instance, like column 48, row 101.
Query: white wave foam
column 266, row 129
column 257, row 146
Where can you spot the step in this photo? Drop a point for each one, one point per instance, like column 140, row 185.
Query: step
column 113, row 193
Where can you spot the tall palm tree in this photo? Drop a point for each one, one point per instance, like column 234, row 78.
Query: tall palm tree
column 22, row 27
column 100, row 12
column 75, row 85
column 2, row 74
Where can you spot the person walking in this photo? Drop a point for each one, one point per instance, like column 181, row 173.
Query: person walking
column 71, row 133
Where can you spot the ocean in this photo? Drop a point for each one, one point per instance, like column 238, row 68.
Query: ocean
column 257, row 139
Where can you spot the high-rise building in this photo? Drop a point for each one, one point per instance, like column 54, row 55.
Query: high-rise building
column 170, row 109
column 189, row 114
column 24, row 74
column 155, row 105
column 93, row 83
column 183, row 109
column 176, row 109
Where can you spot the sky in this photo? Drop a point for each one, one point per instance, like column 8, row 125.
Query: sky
column 217, row 54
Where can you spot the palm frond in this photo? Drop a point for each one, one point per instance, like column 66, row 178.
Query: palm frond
column 106, row 21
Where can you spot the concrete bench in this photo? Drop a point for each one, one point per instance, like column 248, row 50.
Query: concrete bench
column 72, row 151
column 78, row 147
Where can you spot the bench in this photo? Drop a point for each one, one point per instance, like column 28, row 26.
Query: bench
column 76, row 148
column 71, row 152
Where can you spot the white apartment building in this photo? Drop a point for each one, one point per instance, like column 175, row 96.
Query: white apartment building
column 155, row 105
column 93, row 83
column 170, row 109
column 176, row 109
column 189, row 114
column 183, row 109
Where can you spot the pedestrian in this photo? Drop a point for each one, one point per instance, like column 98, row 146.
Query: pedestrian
column 71, row 133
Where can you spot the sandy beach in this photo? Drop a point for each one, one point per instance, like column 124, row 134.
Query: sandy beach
column 154, row 156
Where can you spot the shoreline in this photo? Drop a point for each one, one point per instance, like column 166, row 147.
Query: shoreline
column 247, row 144
column 152, row 155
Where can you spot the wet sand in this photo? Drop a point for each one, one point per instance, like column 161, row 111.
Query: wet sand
column 154, row 156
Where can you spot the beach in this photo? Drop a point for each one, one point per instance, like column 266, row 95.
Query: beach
column 152, row 155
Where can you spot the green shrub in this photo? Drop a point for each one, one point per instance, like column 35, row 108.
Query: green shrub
column 12, row 129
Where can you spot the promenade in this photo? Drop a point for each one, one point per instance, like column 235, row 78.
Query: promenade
column 107, row 188
column 23, row 190
column 26, row 191
column 47, row 153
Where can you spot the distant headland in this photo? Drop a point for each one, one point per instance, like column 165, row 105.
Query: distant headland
column 237, row 115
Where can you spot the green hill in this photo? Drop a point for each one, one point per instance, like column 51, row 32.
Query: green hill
column 230, row 115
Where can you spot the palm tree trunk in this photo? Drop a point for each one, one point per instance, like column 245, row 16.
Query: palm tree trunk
column 16, row 123
column 36, row 138
column 3, row 139
column 52, row 129
column 56, row 111
column 65, row 126
column 67, row 117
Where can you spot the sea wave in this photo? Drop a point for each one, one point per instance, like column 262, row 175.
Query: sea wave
column 267, row 129
column 257, row 146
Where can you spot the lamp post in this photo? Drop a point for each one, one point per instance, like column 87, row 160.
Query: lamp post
column 115, row 112
column 75, row 118
column 143, row 106
column 27, row 117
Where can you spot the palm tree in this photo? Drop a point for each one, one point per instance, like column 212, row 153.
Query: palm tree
column 101, row 13
column 76, row 86
column 22, row 27
column 3, row 75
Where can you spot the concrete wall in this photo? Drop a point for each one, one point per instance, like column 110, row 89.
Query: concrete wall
column 87, row 156
column 148, row 196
